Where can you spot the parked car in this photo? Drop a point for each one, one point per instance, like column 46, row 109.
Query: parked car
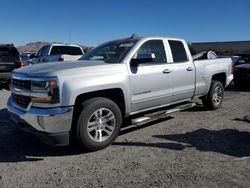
column 88, row 100
column 9, row 60
column 25, row 58
column 58, row 52
column 242, row 72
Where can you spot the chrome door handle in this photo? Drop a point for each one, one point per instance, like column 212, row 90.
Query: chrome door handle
column 166, row 71
column 190, row 69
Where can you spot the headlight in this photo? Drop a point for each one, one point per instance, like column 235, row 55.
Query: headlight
column 45, row 91
column 39, row 85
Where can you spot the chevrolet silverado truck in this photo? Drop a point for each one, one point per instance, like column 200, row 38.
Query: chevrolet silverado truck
column 58, row 52
column 137, row 78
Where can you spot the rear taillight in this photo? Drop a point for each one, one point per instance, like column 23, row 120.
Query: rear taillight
column 61, row 59
column 21, row 64
column 233, row 69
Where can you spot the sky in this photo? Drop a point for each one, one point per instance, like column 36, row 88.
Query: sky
column 91, row 22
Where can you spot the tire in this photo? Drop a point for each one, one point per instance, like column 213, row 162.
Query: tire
column 98, row 124
column 214, row 98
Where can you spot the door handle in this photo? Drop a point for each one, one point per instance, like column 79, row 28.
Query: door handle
column 166, row 71
column 190, row 69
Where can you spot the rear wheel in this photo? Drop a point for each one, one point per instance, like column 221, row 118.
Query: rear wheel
column 98, row 124
column 214, row 98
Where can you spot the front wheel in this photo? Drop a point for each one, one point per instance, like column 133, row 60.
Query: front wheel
column 214, row 98
column 98, row 124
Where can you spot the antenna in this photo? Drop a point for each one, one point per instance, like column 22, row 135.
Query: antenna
column 69, row 35
column 133, row 36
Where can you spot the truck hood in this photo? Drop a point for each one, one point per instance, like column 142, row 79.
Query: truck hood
column 65, row 68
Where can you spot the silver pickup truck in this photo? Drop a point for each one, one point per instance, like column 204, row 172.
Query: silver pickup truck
column 88, row 100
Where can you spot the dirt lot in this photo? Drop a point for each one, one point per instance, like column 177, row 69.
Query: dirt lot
column 189, row 149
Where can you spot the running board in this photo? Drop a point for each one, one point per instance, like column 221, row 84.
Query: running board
column 160, row 114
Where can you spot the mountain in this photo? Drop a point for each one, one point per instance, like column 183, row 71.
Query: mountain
column 33, row 47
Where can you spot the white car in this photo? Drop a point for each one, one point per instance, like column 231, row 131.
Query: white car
column 58, row 52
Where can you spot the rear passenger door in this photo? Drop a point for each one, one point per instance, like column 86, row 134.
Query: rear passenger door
column 183, row 71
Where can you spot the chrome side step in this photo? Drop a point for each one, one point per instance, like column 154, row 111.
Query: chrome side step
column 161, row 114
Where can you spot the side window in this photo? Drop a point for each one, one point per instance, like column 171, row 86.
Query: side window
column 178, row 51
column 46, row 50
column 40, row 52
column 156, row 47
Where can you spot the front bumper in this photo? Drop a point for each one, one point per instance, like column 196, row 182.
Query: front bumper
column 51, row 125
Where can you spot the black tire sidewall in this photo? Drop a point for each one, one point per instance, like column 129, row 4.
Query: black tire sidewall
column 88, row 108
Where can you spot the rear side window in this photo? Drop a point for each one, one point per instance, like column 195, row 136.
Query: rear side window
column 67, row 50
column 8, row 53
column 41, row 51
column 178, row 51
column 155, row 47
column 45, row 50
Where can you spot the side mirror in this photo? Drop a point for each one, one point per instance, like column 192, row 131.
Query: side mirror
column 143, row 59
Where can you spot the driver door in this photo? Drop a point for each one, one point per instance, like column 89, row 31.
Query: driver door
column 151, row 83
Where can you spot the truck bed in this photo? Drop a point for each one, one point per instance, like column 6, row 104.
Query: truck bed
column 204, row 70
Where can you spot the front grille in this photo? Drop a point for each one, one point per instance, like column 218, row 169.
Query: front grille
column 21, row 100
column 21, row 83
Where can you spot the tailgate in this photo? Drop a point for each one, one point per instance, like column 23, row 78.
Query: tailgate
column 71, row 57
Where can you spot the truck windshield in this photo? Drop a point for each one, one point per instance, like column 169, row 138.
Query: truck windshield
column 111, row 52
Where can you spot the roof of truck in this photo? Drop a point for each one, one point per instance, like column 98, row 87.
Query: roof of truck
column 137, row 38
column 161, row 37
column 61, row 44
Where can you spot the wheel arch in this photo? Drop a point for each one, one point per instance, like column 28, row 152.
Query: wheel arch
column 221, row 77
column 114, row 94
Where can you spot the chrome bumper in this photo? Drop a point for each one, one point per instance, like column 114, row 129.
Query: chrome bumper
column 46, row 120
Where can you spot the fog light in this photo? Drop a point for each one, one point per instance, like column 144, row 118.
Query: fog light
column 41, row 100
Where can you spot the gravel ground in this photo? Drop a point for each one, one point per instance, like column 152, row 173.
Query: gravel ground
column 194, row 148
